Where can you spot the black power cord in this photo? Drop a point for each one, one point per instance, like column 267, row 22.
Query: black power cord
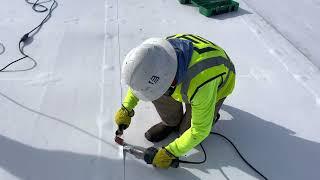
column 238, row 152
column 39, row 8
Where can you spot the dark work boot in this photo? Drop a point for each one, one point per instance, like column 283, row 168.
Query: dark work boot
column 158, row 132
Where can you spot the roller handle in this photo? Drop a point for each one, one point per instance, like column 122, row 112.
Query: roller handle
column 120, row 130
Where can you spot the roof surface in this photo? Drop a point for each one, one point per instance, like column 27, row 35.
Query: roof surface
column 57, row 119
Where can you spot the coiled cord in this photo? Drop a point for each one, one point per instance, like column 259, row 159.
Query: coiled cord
column 39, row 8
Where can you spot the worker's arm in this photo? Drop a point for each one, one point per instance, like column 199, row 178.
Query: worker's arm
column 130, row 101
column 202, row 112
column 124, row 114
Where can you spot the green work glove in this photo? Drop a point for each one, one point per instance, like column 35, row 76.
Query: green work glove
column 163, row 159
column 123, row 117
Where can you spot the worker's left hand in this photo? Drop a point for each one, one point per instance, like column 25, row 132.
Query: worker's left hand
column 163, row 159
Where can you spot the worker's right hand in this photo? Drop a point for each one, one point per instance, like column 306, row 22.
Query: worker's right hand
column 163, row 159
column 123, row 117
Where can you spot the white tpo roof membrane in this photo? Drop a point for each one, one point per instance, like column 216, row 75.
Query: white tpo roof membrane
column 57, row 119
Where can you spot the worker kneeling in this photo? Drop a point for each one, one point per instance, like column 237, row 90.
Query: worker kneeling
column 183, row 68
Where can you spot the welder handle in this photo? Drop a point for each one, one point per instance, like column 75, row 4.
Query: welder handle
column 175, row 163
column 151, row 152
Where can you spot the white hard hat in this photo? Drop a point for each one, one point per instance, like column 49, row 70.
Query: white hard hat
column 150, row 68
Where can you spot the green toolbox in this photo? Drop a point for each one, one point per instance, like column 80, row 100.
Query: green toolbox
column 213, row 7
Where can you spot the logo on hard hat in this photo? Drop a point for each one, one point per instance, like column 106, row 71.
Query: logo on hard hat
column 154, row 80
